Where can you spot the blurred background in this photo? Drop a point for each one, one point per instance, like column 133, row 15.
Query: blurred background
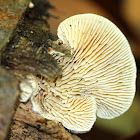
column 126, row 15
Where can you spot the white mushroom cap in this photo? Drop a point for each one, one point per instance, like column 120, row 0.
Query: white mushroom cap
column 103, row 64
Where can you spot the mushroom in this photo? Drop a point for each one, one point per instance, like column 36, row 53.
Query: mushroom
column 103, row 58
column 28, row 87
column 77, row 113
column 99, row 78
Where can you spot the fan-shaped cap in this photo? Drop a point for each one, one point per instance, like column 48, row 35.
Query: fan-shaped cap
column 99, row 78
column 102, row 65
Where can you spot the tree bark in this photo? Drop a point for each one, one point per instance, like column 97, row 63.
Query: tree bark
column 24, row 53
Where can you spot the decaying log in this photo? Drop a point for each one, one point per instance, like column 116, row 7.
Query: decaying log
column 29, row 125
column 24, row 53
column 8, row 96
column 11, row 12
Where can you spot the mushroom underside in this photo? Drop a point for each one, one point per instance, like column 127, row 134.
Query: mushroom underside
column 99, row 78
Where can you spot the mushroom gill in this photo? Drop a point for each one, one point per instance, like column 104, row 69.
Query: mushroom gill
column 103, row 59
column 99, row 78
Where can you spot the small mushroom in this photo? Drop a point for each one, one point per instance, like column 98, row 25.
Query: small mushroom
column 28, row 87
column 99, row 78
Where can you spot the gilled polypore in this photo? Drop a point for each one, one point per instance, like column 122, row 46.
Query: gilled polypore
column 98, row 80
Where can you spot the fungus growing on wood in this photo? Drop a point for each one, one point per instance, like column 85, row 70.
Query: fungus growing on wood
column 104, row 60
column 99, row 78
